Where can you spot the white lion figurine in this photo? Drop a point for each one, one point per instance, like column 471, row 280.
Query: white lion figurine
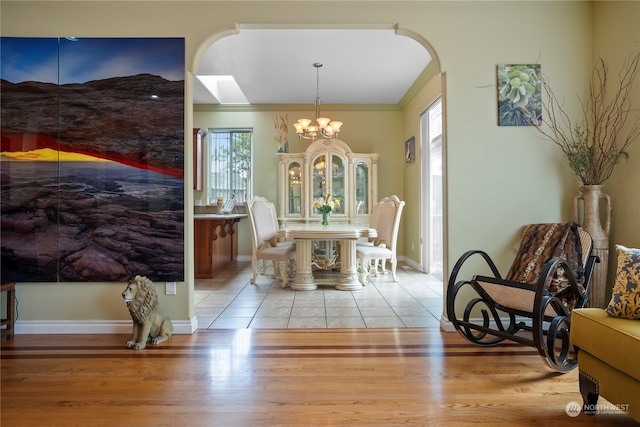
column 149, row 322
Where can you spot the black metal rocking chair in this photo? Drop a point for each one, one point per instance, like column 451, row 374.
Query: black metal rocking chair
column 532, row 305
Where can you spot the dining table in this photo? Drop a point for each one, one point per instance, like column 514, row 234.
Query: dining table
column 346, row 234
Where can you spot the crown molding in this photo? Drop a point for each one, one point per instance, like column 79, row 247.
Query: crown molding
column 217, row 108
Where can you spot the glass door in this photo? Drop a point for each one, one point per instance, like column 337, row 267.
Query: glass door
column 432, row 209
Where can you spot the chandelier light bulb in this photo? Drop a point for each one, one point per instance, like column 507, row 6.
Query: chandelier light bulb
column 336, row 125
column 323, row 122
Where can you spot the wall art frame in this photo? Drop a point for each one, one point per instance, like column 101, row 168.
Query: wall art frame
column 410, row 151
column 519, row 95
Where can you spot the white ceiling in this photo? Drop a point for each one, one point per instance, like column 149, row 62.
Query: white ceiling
column 275, row 66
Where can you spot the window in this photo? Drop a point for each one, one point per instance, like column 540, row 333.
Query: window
column 230, row 163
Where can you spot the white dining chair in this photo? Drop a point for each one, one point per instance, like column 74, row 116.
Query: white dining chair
column 386, row 220
column 373, row 223
column 265, row 245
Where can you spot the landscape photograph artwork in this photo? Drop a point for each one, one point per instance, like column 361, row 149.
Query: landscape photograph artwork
column 92, row 159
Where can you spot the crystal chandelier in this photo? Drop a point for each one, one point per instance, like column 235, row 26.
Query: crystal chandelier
column 323, row 127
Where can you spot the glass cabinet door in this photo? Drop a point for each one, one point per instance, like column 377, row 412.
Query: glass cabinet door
column 319, row 182
column 295, row 188
column 362, row 188
column 338, row 172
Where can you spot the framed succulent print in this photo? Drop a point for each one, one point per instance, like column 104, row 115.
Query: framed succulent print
column 519, row 95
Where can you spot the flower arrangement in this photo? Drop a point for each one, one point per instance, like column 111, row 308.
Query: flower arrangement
column 610, row 124
column 325, row 206
column 282, row 130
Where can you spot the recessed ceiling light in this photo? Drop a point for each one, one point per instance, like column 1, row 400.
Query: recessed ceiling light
column 224, row 88
column 154, row 96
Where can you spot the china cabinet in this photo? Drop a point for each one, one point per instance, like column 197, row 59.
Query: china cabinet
column 327, row 167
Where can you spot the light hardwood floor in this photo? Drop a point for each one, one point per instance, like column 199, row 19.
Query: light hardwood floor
column 299, row 377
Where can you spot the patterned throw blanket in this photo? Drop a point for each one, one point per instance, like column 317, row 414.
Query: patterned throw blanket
column 540, row 243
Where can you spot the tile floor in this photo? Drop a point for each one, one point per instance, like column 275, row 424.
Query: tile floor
column 229, row 301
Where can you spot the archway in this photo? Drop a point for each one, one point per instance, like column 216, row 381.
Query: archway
column 413, row 220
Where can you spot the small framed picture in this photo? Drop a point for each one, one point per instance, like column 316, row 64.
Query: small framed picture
column 410, row 151
column 519, row 95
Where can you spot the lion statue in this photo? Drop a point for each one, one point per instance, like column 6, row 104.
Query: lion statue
column 149, row 322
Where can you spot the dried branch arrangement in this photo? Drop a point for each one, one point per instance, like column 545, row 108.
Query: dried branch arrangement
column 609, row 124
column 280, row 123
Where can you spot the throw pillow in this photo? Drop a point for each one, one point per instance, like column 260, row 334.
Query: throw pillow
column 625, row 301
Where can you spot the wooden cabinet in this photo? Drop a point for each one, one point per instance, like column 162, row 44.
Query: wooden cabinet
column 215, row 242
column 327, row 167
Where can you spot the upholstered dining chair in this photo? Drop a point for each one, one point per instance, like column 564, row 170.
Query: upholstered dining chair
column 385, row 218
column 373, row 223
column 263, row 226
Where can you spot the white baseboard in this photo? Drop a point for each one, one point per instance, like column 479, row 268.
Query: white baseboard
column 446, row 325
column 92, row 326
column 410, row 262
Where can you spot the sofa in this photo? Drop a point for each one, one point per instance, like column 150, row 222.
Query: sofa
column 607, row 359
column 608, row 342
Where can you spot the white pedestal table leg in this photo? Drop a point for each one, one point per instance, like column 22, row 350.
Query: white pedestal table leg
column 303, row 280
column 348, row 280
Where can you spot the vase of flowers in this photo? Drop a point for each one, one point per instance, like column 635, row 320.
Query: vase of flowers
column 325, row 206
column 325, row 218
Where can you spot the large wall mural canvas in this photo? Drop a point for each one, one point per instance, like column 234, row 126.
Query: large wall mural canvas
column 92, row 159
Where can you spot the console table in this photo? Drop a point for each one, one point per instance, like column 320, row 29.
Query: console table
column 305, row 234
column 216, row 243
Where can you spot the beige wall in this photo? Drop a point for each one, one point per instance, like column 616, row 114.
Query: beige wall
column 497, row 178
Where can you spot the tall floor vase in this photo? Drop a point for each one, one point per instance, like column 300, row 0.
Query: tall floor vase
column 592, row 198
